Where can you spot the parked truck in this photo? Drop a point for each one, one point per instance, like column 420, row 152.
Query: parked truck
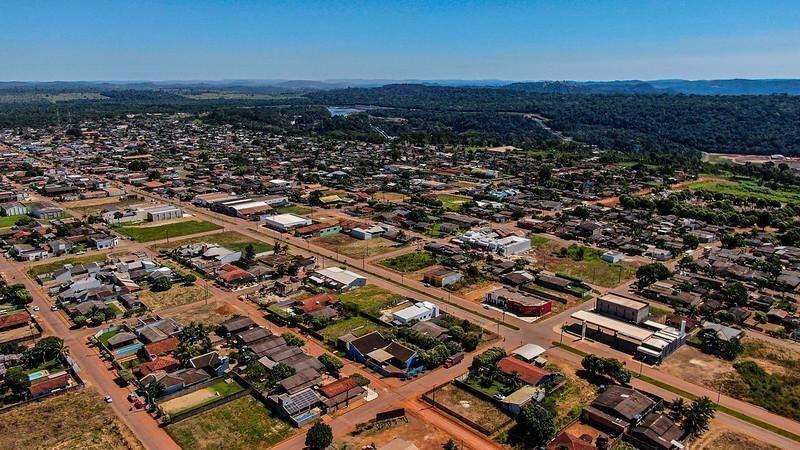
column 453, row 360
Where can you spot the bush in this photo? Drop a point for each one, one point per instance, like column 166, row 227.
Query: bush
column 292, row 340
column 162, row 284
column 319, row 436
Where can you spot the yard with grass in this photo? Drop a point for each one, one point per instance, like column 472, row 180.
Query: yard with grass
column 745, row 189
column 369, row 298
column 356, row 248
column 228, row 239
column 177, row 295
column 239, row 425
column 299, row 210
column 568, row 402
column 149, row 233
column 79, row 419
column 410, row 262
column 452, row 202
column 200, row 397
column 357, row 325
column 472, row 407
column 42, row 269
column 103, row 338
column 9, row 221
column 582, row 262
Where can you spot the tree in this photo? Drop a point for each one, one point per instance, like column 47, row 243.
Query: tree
column 691, row 241
column 24, row 221
column 471, row 341
column 80, row 320
column 46, row 349
column 249, row 252
column 152, row 391
column 450, row 445
column 332, row 364
column 698, row 415
column 292, row 340
column 17, row 379
column 734, row 293
column 162, row 284
column 193, row 341
column 609, row 367
column 679, row 408
column 319, row 436
column 189, row 278
column 650, row 273
column 536, row 424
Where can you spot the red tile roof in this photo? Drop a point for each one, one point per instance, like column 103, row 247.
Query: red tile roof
column 59, row 381
column 568, row 442
column 163, row 346
column 14, row 320
column 527, row 372
column 316, row 302
column 338, row 387
column 229, row 273
column 160, row 363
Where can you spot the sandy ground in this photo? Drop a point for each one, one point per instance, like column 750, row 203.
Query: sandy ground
column 417, row 431
column 477, row 293
column 720, row 437
column 188, row 400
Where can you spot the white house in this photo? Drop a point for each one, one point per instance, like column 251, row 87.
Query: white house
column 420, row 312
column 286, row 222
column 338, row 278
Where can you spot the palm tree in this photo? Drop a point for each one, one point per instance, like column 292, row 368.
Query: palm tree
column 698, row 416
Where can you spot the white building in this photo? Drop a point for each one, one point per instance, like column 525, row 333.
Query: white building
column 491, row 241
column 338, row 278
column 286, row 222
column 420, row 312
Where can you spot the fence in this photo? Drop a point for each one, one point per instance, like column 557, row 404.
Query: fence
column 219, row 402
column 192, row 388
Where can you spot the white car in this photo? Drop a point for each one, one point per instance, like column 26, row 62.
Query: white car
column 54, row 308
column 108, row 399
column 35, row 308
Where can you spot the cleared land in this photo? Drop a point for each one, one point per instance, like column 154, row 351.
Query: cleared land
column 198, row 398
column 472, row 407
column 78, row 419
column 410, row 262
column 369, row 298
column 569, row 401
column 745, row 189
column 583, row 264
column 417, row 431
column 241, row 424
column 212, row 314
column 171, row 230
column 721, row 437
column 93, row 205
column 228, row 239
column 357, row 325
column 452, row 202
column 177, row 295
column 55, row 265
column 355, row 248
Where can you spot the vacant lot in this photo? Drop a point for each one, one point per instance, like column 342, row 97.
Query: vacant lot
column 144, row 233
column 722, row 437
column 78, row 419
column 241, row 424
column 584, row 264
column 746, row 189
column 294, row 209
column 42, row 269
column 198, row 398
column 176, row 296
column 355, row 248
column 473, row 408
column 477, row 292
column 369, row 298
column 452, row 202
column 228, row 239
column 357, row 325
column 212, row 314
column 95, row 205
column 410, row 262
column 417, row 431
column 568, row 401
column 9, row 221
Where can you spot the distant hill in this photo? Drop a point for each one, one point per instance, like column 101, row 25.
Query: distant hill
column 697, row 87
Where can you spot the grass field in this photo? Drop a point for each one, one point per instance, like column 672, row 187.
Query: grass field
column 55, row 265
column 452, row 202
column 538, row 240
column 299, row 210
column 357, row 325
column 410, row 262
column 9, row 221
column 369, row 298
column 472, row 407
column 583, row 264
column 200, row 397
column 356, row 248
column 177, row 295
column 79, row 419
column 172, row 230
column 746, row 189
column 103, row 338
column 228, row 239
column 239, row 425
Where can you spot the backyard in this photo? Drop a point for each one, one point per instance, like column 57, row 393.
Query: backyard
column 410, row 262
column 241, row 424
column 369, row 298
column 200, row 397
column 228, row 239
column 356, row 324
column 355, row 248
column 149, row 233
column 79, row 419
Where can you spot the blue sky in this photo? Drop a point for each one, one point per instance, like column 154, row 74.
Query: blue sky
column 308, row 39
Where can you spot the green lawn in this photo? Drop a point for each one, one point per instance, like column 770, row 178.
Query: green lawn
column 538, row 240
column 9, row 221
column 357, row 325
column 746, row 189
column 172, row 230
column 588, row 267
column 241, row 424
column 410, row 262
column 299, row 210
column 369, row 298
column 103, row 338
column 452, row 202
column 228, row 239
column 53, row 266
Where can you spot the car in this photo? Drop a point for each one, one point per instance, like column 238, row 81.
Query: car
column 132, row 397
column 426, row 284
column 108, row 399
column 485, row 306
column 54, row 308
column 80, row 252
column 35, row 308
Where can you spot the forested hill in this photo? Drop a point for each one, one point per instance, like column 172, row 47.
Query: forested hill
column 631, row 122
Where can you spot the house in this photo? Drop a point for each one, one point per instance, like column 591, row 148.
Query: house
column 299, row 408
column 528, row 373
column 315, row 302
column 237, row 324
column 105, row 241
column 722, row 332
column 49, row 383
column 657, row 431
column 515, row 401
column 419, row 312
column 617, row 408
column 338, row 279
column 121, row 339
column 286, row 222
column 389, row 358
column 612, row 256
column 529, row 352
column 211, row 362
column 14, row 320
column 301, row 380
column 341, row 393
column 162, row 363
column 518, row 303
column 155, row 349
column 428, row 328
column 441, row 277
column 253, row 335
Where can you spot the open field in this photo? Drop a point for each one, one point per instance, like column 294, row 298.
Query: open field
column 394, row 197
column 42, row 269
column 355, row 248
column 219, row 95
column 93, row 205
column 369, row 298
column 568, row 401
column 745, row 189
column 410, row 262
column 79, row 419
column 477, row 292
column 299, row 210
column 721, row 437
column 585, row 265
column 198, row 398
column 167, row 231
column 52, row 98
column 212, row 314
column 357, row 325
column 417, row 431
column 9, row 221
column 241, row 424
column 452, row 202
column 473, row 408
column 176, row 296
column 228, row 239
